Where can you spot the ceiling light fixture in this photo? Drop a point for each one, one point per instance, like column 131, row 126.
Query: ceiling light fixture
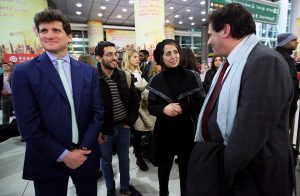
column 202, row 2
column 180, row 22
column 100, row 14
column 188, row 10
column 131, row 2
column 78, row 4
column 119, row 16
column 102, row 7
column 184, row 0
column 78, row 12
column 167, row 21
column 171, row 8
column 192, row 23
column 176, row 16
column 203, row 19
column 203, row 12
column 191, row 17
column 124, row 10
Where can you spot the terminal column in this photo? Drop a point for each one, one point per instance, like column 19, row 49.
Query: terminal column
column 283, row 14
column 95, row 34
column 170, row 32
column 149, row 23
column 295, row 20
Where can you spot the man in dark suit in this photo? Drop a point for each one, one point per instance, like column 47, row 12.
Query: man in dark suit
column 145, row 65
column 59, row 112
column 247, row 110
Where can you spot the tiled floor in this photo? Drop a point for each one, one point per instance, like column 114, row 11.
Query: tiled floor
column 11, row 183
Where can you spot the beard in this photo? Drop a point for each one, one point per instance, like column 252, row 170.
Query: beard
column 108, row 65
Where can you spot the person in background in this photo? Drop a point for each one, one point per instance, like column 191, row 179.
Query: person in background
column 188, row 60
column 131, row 64
column 88, row 59
column 5, row 88
column 155, row 69
column 175, row 97
column 121, row 104
column 209, row 76
column 59, row 113
column 145, row 64
column 242, row 130
column 12, row 64
column 286, row 44
column 297, row 61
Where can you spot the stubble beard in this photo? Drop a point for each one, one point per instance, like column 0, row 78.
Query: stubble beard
column 107, row 65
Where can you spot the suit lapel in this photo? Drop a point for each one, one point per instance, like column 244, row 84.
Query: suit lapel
column 76, row 75
column 45, row 65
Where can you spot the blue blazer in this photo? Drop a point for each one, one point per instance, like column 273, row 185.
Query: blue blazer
column 43, row 114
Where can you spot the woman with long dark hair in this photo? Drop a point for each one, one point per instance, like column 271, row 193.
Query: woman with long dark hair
column 215, row 64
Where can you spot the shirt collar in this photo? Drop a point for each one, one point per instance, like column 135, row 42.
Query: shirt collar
column 235, row 52
column 53, row 58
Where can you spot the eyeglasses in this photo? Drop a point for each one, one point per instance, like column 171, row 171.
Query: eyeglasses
column 111, row 54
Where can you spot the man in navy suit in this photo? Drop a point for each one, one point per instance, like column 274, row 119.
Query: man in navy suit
column 60, row 118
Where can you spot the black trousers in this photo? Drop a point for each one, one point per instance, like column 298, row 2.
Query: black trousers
column 137, row 142
column 164, row 170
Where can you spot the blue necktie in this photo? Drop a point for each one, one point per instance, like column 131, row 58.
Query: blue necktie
column 69, row 93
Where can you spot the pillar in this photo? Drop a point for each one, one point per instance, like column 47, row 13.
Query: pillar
column 95, row 34
column 149, row 23
column 295, row 20
column 283, row 14
column 169, row 32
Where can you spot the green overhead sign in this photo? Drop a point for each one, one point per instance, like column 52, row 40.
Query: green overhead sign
column 261, row 12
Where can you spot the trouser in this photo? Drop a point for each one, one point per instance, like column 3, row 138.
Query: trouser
column 137, row 142
column 121, row 141
column 6, row 106
column 84, row 178
column 164, row 170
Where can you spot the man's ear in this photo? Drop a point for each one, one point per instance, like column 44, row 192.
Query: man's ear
column 99, row 59
column 226, row 31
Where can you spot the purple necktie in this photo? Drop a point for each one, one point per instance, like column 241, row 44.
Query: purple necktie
column 211, row 102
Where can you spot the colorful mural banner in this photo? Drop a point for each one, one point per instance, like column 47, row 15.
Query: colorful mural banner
column 123, row 39
column 18, row 33
column 149, row 23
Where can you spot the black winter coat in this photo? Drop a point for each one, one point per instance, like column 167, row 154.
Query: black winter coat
column 175, row 135
column 129, row 98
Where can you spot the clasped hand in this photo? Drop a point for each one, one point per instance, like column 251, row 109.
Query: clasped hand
column 172, row 109
column 76, row 158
